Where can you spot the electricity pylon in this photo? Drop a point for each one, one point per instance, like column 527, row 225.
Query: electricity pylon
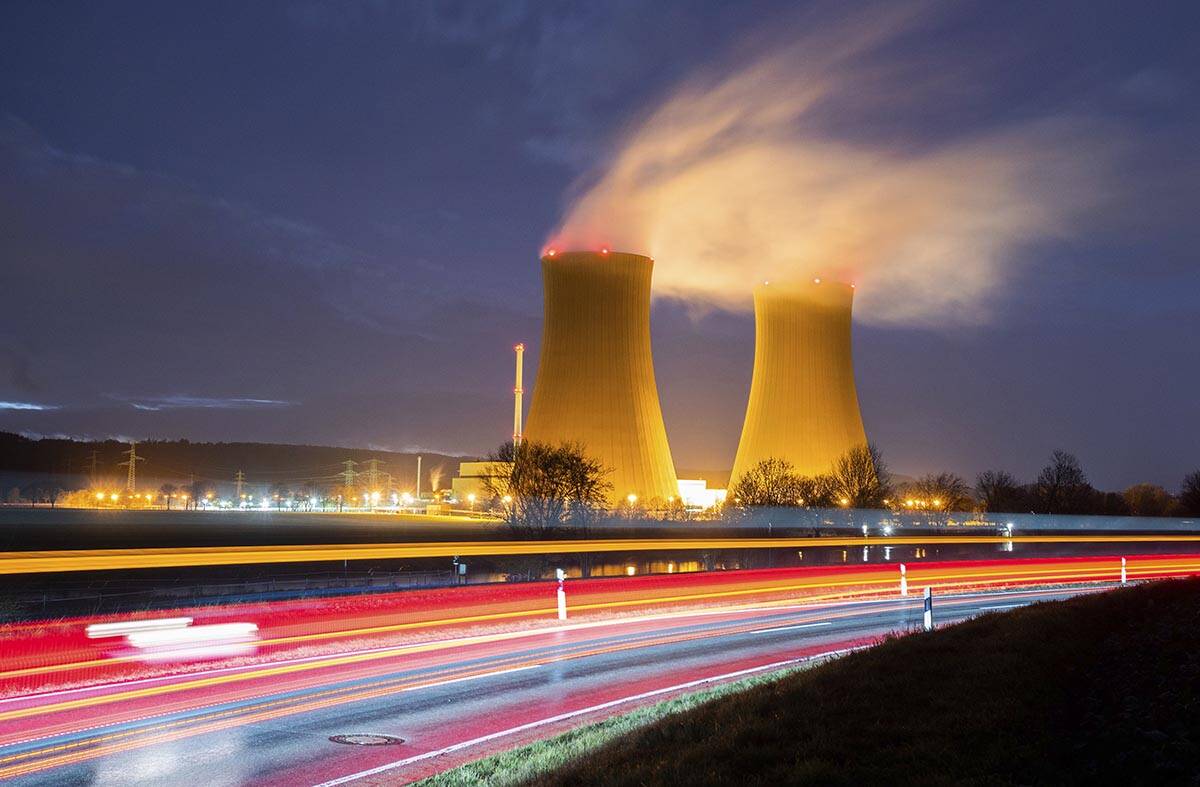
column 373, row 475
column 131, row 463
column 348, row 475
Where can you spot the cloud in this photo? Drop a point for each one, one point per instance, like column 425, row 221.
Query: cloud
column 749, row 172
column 181, row 402
column 26, row 406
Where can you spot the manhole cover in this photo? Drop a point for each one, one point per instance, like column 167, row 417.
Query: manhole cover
column 366, row 739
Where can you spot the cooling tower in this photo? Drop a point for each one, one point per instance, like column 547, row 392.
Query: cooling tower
column 595, row 378
column 803, row 405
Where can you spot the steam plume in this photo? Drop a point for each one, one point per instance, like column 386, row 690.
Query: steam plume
column 743, row 178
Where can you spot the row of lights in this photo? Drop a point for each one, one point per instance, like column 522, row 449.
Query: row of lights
column 552, row 252
column 115, row 496
column 815, row 281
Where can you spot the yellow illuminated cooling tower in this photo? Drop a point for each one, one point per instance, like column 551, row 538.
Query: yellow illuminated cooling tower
column 595, row 378
column 803, row 405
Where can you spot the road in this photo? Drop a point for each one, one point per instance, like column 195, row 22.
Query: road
column 255, row 694
column 460, row 693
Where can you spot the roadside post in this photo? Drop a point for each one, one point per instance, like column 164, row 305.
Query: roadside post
column 562, row 594
column 928, row 618
column 903, row 580
column 1123, row 578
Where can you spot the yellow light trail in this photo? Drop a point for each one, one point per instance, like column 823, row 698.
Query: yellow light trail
column 40, row 562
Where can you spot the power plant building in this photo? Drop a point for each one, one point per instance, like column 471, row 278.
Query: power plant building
column 803, row 405
column 595, row 378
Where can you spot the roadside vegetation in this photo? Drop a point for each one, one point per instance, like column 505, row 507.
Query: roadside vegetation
column 1101, row 689
column 533, row 761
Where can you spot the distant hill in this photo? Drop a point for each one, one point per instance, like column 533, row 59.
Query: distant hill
column 176, row 461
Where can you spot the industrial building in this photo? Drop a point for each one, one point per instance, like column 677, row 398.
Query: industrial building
column 595, row 379
column 803, row 405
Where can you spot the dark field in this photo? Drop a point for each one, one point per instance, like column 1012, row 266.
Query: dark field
column 1096, row 690
column 85, row 528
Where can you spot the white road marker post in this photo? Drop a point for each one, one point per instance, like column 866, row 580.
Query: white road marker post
column 1123, row 578
column 903, row 580
column 928, row 618
column 562, row 594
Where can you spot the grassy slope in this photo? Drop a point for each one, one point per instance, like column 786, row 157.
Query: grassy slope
column 527, row 762
column 1100, row 689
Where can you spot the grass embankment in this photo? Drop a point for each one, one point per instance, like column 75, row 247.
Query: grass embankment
column 1096, row 690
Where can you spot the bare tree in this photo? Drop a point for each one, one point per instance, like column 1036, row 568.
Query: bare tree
column 817, row 491
column 999, row 491
column 1189, row 494
column 939, row 492
column 546, row 488
column 168, row 491
column 1062, row 487
column 861, row 478
column 771, row 482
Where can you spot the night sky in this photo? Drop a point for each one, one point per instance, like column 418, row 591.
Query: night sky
column 321, row 222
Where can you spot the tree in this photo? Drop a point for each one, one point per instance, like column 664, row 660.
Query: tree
column 281, row 492
column 201, row 490
column 547, row 487
column 1107, row 504
column 940, row 492
column 1062, row 487
column 817, row 491
column 999, row 491
column 861, row 478
column 1189, row 494
column 772, row 482
column 168, row 491
column 1147, row 500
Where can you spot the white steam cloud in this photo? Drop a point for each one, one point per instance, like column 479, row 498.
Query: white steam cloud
column 739, row 179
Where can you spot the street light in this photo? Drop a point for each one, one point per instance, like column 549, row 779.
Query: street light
column 471, row 500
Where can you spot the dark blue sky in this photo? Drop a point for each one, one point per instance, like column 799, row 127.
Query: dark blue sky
column 320, row 222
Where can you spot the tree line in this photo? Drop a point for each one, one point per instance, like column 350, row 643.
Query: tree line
column 540, row 489
column 1061, row 487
